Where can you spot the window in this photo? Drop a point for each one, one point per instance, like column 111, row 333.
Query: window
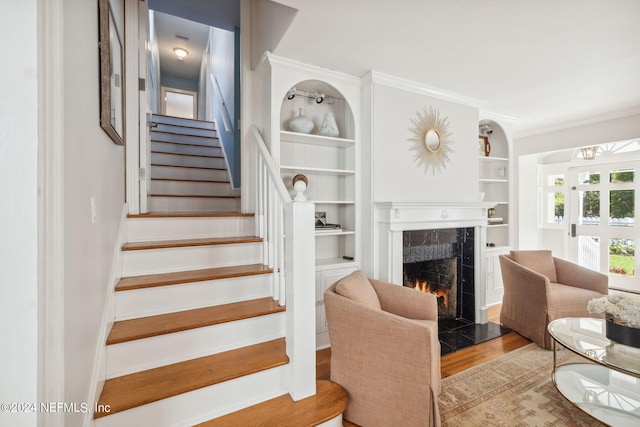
column 554, row 193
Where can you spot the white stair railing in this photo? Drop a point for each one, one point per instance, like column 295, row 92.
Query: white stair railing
column 288, row 232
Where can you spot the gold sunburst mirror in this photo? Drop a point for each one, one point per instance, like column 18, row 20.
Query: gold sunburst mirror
column 431, row 140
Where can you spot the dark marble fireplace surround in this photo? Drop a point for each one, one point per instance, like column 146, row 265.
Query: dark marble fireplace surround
column 444, row 258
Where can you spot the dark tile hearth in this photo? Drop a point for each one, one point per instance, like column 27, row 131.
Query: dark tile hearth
column 456, row 334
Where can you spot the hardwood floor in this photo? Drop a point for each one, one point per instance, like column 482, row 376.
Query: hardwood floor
column 452, row 363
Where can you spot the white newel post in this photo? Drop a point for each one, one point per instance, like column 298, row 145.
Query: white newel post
column 300, row 298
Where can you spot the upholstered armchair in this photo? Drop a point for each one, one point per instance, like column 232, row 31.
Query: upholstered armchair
column 384, row 351
column 539, row 288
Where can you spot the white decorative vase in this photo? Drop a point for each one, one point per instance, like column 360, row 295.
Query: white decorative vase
column 329, row 126
column 301, row 124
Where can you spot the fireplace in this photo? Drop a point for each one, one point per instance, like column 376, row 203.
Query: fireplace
column 441, row 262
column 394, row 219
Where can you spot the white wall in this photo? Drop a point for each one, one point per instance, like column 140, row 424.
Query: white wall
column 94, row 167
column 525, row 156
column 388, row 170
column 396, row 176
column 222, row 56
column 18, row 210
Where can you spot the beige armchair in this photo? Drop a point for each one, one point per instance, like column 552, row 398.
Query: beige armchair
column 539, row 288
column 384, row 351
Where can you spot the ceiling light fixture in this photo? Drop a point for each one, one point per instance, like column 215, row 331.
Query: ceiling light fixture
column 180, row 52
column 589, row 153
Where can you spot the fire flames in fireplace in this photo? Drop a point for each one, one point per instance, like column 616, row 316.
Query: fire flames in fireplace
column 441, row 294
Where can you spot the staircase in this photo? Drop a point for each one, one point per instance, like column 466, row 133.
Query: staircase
column 188, row 170
column 197, row 336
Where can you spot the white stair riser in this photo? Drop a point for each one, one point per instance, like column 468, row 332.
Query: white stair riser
column 185, row 296
column 152, row 261
column 144, row 229
column 185, row 139
column 189, row 173
column 203, row 404
column 185, row 204
column 190, row 188
column 140, row 355
column 178, row 160
column 164, row 127
column 178, row 121
column 186, row 149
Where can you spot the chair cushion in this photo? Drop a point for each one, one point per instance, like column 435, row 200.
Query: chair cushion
column 356, row 287
column 538, row 261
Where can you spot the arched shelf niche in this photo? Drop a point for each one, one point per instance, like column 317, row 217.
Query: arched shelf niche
column 304, row 95
column 494, row 182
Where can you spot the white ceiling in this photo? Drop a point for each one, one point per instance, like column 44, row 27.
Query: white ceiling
column 168, row 28
column 548, row 62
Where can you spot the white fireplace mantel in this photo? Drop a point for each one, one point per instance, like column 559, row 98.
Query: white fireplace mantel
column 392, row 218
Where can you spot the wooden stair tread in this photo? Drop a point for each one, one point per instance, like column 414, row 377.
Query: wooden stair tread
column 329, row 401
column 188, row 167
column 219, row 181
column 190, row 276
column 144, row 387
column 189, row 214
column 179, row 243
column 194, row 195
column 187, row 132
column 145, row 327
column 189, row 144
column 187, row 154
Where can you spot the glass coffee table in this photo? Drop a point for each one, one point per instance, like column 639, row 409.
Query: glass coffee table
column 609, row 388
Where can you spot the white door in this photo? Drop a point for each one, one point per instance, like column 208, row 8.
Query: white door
column 603, row 199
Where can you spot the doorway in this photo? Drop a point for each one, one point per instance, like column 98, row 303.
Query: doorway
column 179, row 103
column 602, row 201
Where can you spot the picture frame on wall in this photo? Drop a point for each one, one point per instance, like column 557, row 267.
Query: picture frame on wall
column 111, row 50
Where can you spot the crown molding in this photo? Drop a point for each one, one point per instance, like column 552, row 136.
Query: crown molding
column 302, row 67
column 620, row 114
column 376, row 77
column 498, row 117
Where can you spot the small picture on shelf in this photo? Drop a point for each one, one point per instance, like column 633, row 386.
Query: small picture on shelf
column 321, row 219
column 323, row 225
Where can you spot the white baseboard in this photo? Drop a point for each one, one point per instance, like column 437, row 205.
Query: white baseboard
column 108, row 316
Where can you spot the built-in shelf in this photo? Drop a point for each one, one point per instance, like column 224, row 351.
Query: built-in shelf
column 497, row 225
column 494, row 180
column 319, row 171
column 331, row 263
column 305, row 138
column 493, row 159
column 333, row 202
column 334, row 233
column 497, row 248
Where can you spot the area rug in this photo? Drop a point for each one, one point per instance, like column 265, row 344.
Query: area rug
column 512, row 390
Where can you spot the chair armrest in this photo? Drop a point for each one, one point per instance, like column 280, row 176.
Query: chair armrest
column 581, row 277
column 406, row 302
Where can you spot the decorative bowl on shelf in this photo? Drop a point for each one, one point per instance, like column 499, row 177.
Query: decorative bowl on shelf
column 301, row 123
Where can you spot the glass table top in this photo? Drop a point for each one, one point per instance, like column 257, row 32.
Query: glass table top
column 586, row 336
column 608, row 390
